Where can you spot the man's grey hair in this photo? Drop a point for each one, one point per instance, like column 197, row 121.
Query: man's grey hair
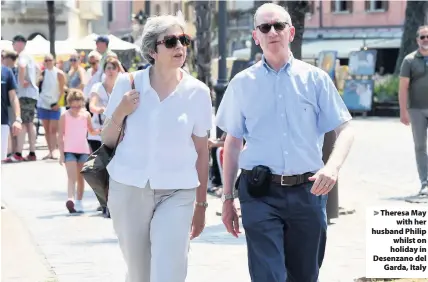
column 154, row 27
column 272, row 7
column 95, row 54
column 422, row 27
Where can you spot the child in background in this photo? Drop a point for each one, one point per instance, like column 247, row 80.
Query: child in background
column 74, row 125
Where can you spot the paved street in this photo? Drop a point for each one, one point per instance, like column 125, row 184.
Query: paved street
column 380, row 171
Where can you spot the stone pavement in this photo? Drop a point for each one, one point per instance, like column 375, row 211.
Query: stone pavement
column 380, row 171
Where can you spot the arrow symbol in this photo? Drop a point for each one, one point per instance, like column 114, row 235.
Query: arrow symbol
column 376, row 212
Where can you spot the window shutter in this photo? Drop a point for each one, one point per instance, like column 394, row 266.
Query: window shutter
column 367, row 5
column 350, row 6
column 385, row 5
column 333, row 5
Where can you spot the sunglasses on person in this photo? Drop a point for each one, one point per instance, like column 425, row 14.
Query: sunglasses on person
column 48, row 60
column 93, row 63
column 171, row 41
column 73, row 60
column 423, row 37
column 111, row 68
column 266, row 27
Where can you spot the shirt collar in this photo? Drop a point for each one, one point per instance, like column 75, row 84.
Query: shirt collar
column 286, row 68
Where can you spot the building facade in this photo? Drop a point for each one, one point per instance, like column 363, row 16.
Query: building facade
column 30, row 18
column 82, row 16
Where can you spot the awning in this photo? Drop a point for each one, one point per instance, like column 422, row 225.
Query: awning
column 311, row 49
column 393, row 43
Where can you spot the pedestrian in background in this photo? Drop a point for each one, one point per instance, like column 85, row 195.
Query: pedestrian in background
column 161, row 165
column 282, row 107
column 413, row 98
column 51, row 86
column 8, row 98
column 74, row 126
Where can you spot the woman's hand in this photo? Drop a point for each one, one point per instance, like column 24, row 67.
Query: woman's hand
column 129, row 103
column 198, row 222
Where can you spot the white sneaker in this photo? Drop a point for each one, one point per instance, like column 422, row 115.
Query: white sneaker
column 78, row 206
column 424, row 190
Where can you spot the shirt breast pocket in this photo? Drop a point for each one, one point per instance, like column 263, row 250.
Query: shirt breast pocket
column 308, row 112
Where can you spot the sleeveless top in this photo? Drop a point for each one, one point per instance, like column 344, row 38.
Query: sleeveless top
column 50, row 89
column 103, row 98
column 76, row 129
column 74, row 80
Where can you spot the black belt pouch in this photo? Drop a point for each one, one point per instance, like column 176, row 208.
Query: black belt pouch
column 259, row 180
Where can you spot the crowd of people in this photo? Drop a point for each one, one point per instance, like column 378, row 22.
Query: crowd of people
column 53, row 92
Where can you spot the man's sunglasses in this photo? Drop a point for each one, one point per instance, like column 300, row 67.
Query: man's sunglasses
column 171, row 41
column 423, row 37
column 266, row 27
column 73, row 60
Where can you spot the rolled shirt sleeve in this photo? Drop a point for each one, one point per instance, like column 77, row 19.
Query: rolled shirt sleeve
column 229, row 116
column 203, row 112
column 332, row 110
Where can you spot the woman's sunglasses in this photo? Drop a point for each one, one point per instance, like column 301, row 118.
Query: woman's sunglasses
column 171, row 41
column 266, row 27
column 73, row 60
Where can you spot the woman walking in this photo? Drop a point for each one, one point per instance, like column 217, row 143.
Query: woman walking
column 161, row 165
column 99, row 97
column 76, row 74
column 51, row 88
column 74, row 125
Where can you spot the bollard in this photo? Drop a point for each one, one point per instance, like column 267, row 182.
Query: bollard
column 333, row 196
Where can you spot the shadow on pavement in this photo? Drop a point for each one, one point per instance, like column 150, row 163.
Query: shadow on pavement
column 414, row 199
column 217, row 234
column 96, row 242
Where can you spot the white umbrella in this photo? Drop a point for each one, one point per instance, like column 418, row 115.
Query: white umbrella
column 6, row 45
column 88, row 43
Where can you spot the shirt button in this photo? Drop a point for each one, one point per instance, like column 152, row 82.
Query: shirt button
column 285, row 134
column 285, row 153
column 282, row 115
column 280, row 96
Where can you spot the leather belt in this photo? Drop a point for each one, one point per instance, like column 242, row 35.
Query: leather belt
column 288, row 180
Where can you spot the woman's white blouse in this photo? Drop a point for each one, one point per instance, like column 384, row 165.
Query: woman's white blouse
column 158, row 145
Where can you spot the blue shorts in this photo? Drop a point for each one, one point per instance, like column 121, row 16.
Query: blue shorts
column 75, row 157
column 44, row 114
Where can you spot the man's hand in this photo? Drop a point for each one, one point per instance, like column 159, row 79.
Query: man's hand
column 26, row 84
column 404, row 117
column 230, row 218
column 325, row 179
column 16, row 128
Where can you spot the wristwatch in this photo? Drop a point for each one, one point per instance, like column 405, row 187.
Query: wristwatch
column 18, row 119
column 202, row 204
column 226, row 197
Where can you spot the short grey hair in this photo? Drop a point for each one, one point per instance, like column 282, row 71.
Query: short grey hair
column 154, row 27
column 422, row 27
column 95, row 54
column 272, row 7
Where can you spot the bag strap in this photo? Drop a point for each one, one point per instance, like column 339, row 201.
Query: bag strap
column 122, row 131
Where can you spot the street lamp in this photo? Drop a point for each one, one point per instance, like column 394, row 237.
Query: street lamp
column 222, row 80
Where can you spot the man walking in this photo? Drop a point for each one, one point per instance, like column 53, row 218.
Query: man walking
column 8, row 97
column 413, row 98
column 282, row 107
column 28, row 94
